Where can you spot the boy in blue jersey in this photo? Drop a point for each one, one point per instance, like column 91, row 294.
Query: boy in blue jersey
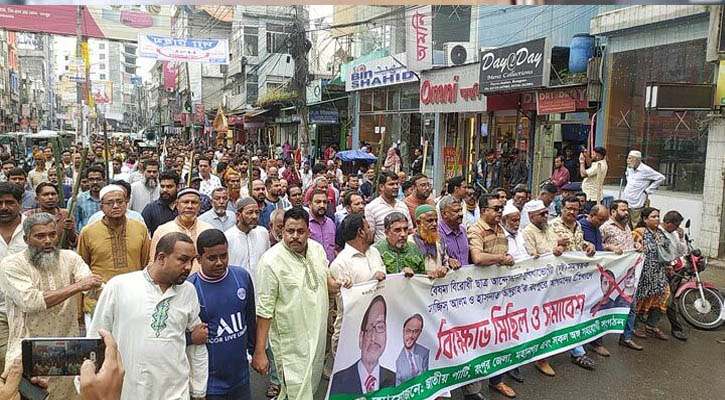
column 226, row 296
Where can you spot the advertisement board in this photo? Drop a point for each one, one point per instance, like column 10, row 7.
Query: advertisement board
column 511, row 68
column 165, row 48
column 118, row 22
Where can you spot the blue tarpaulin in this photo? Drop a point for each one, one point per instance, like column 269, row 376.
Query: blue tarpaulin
column 355, row 155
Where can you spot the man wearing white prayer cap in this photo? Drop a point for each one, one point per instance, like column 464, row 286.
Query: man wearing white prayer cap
column 642, row 180
column 114, row 244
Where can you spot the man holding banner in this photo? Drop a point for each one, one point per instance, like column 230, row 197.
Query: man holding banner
column 357, row 262
column 489, row 246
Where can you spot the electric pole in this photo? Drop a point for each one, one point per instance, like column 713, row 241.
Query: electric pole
column 300, row 47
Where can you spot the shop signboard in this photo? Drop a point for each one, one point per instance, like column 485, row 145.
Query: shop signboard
column 561, row 100
column 324, row 117
column 452, row 163
column 384, row 71
column 419, row 38
column 451, row 90
column 512, row 68
column 164, row 48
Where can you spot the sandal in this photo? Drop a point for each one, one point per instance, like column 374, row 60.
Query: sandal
column 640, row 333
column 272, row 391
column 656, row 332
column 584, row 362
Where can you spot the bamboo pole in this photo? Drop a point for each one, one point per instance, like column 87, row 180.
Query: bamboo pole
column 74, row 196
column 55, row 144
column 106, row 155
column 249, row 171
column 425, row 155
column 191, row 169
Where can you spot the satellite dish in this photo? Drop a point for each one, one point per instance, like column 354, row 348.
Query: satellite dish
column 459, row 55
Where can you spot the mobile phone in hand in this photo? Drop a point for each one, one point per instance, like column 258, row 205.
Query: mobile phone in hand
column 29, row 391
column 60, row 356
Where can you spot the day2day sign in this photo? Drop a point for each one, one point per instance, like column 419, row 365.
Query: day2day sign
column 512, row 68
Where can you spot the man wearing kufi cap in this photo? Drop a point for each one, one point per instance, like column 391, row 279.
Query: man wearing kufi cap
column 642, row 180
column 188, row 202
column 247, row 239
column 428, row 241
column 546, row 195
column 510, row 220
column 114, row 245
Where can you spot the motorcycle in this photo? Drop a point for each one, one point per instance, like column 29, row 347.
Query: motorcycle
column 700, row 302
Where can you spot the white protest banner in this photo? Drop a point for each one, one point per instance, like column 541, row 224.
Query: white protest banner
column 164, row 48
column 419, row 38
column 416, row 338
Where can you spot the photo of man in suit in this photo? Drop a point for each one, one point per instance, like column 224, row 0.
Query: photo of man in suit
column 413, row 358
column 367, row 375
column 606, row 302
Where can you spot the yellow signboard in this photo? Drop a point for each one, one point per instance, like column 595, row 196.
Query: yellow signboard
column 720, row 88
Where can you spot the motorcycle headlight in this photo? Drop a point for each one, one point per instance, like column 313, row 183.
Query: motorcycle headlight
column 701, row 264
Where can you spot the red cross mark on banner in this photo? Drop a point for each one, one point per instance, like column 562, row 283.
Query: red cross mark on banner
column 615, row 285
column 623, row 119
column 681, row 120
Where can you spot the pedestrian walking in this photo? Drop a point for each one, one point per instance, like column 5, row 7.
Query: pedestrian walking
column 299, row 353
column 114, row 245
column 160, row 302
column 40, row 286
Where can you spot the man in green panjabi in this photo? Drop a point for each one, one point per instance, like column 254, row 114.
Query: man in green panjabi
column 292, row 304
column 398, row 253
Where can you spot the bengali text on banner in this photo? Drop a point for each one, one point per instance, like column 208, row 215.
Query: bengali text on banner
column 418, row 338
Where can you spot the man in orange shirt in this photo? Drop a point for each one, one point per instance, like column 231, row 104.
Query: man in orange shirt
column 420, row 195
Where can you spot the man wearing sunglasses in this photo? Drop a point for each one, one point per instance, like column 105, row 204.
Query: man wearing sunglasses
column 114, row 245
column 367, row 375
column 489, row 246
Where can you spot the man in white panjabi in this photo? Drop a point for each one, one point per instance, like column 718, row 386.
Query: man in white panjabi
column 247, row 240
column 41, row 284
column 149, row 313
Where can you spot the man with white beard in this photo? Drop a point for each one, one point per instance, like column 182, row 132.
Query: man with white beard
column 147, row 190
column 40, row 285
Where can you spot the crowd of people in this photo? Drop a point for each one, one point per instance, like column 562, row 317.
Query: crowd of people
column 194, row 261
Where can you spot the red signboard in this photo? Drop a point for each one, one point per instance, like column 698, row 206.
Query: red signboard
column 561, row 100
column 169, row 76
column 199, row 113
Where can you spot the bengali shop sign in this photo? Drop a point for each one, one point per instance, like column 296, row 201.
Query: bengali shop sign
column 451, row 90
column 475, row 323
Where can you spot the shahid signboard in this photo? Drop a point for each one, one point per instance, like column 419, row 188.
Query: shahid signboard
column 511, row 68
column 380, row 72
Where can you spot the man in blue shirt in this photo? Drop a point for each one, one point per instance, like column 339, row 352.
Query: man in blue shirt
column 590, row 224
column 226, row 296
column 163, row 209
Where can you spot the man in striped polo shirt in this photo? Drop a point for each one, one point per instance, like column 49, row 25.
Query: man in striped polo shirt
column 386, row 203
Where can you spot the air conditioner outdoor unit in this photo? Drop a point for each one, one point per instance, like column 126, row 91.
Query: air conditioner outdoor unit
column 459, row 53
